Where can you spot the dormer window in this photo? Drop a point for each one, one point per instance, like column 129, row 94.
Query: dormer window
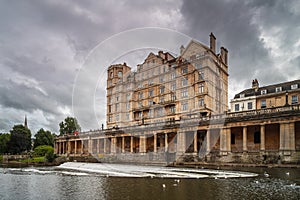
column 242, row 95
column 111, row 74
column 278, row 89
column 263, row 92
column 294, row 86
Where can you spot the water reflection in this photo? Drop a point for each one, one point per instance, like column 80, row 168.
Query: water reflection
column 49, row 183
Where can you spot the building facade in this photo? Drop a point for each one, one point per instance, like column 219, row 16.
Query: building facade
column 174, row 109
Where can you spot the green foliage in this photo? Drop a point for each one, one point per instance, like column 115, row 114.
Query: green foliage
column 43, row 150
column 50, row 156
column 1, row 158
column 43, row 137
column 20, row 139
column 4, row 139
column 38, row 159
column 68, row 126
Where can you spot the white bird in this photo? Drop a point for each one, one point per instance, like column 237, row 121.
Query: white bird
column 177, row 180
column 266, row 174
column 288, row 173
column 174, row 184
column 256, row 182
column 163, row 185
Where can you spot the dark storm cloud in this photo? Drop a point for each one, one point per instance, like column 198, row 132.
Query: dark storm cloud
column 243, row 27
column 44, row 43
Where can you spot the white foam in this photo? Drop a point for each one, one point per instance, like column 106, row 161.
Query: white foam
column 123, row 170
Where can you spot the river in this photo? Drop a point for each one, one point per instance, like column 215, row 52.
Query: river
column 117, row 181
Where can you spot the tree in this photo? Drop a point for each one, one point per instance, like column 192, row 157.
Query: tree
column 43, row 137
column 68, row 126
column 20, row 139
column 4, row 139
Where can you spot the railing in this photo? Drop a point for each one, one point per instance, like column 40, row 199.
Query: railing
column 291, row 108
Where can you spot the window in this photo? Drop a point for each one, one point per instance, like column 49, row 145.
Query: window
column 161, row 99
column 263, row 92
column 117, row 107
column 161, row 79
column 294, row 99
column 278, row 89
column 232, row 138
column 256, row 137
column 109, row 109
column 242, row 95
column 201, row 102
column 127, row 116
column 237, row 107
column 150, row 102
column 173, row 75
column 249, row 105
column 201, row 88
column 109, row 118
column 117, row 118
column 120, row 74
column 150, row 82
column 141, row 95
column 172, row 109
column 173, row 97
column 117, row 98
column 117, row 88
column 184, row 81
column 150, row 93
column 160, row 111
column 184, row 106
column 184, row 70
column 128, row 106
column 128, row 97
column 184, row 93
column 111, row 74
column 201, row 76
column 173, row 86
column 150, row 113
column 198, row 66
column 162, row 89
column 294, row 86
column 263, row 103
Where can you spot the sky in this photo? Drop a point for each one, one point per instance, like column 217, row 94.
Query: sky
column 50, row 49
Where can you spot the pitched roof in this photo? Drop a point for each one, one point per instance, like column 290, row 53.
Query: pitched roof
column 270, row 89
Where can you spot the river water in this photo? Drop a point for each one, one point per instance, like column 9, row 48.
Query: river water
column 113, row 181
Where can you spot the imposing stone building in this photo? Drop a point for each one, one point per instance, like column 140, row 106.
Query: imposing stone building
column 168, row 88
column 175, row 109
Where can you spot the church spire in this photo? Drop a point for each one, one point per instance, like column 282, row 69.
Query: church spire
column 25, row 122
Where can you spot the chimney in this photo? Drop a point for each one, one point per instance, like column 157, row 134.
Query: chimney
column 224, row 55
column 182, row 49
column 212, row 42
column 161, row 54
column 255, row 84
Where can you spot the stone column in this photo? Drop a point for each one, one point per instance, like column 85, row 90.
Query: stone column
column 228, row 136
column 195, row 141
column 225, row 137
column 245, row 148
column 59, row 148
column 63, row 148
column 142, row 144
column 104, row 145
column 166, row 142
column 262, row 138
column 81, row 148
column 155, row 142
column 131, row 144
column 123, row 144
column 113, row 145
column 292, row 144
column 208, row 141
column 75, row 150
column 90, row 145
column 98, row 145
column 181, row 146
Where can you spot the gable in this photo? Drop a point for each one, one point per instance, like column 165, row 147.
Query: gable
column 194, row 48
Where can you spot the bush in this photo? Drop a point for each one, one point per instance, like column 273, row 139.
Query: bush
column 43, row 150
column 50, row 156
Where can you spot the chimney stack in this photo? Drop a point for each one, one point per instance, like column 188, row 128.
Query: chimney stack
column 224, row 55
column 255, row 84
column 212, row 42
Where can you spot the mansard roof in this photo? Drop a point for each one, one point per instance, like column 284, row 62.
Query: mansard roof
column 285, row 86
